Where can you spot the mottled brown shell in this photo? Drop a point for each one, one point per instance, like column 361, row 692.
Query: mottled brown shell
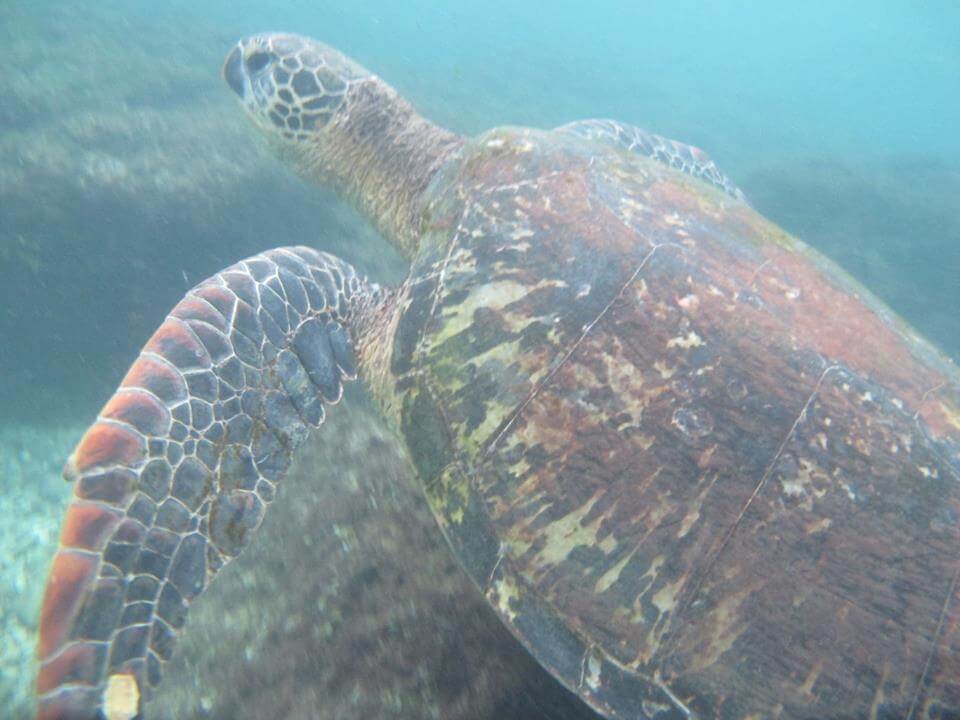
column 695, row 467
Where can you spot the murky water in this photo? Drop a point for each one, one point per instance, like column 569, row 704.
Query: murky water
column 128, row 174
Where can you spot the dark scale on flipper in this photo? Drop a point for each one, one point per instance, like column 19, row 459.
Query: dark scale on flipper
column 142, row 510
column 203, row 385
column 217, row 295
column 136, row 613
column 162, row 640
column 188, row 571
column 252, row 378
column 327, row 290
column 271, row 329
column 202, row 414
column 239, row 429
column 233, row 518
column 130, row 531
column 215, row 342
column 234, row 399
column 243, row 286
column 171, row 607
column 273, row 282
column 231, row 373
column 150, row 562
column 155, row 479
column 197, row 309
column 153, row 669
column 270, row 456
column 251, row 402
column 246, row 349
column 113, row 486
column 261, row 267
column 342, row 352
column 158, row 376
column 237, row 470
column 121, row 555
column 161, row 541
column 215, row 432
column 101, row 611
column 181, row 413
column 299, row 389
column 174, row 453
column 270, row 351
column 179, row 432
column 291, row 262
column 191, row 483
column 177, row 343
column 296, row 296
column 246, row 324
column 173, row 515
column 207, row 453
column 312, row 345
column 129, row 644
column 315, row 296
column 143, row 587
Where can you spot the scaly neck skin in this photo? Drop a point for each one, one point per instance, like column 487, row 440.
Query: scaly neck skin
column 380, row 155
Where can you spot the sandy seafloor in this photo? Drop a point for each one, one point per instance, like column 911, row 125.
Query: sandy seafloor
column 128, row 174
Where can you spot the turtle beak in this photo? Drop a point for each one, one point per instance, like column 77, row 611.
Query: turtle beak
column 233, row 71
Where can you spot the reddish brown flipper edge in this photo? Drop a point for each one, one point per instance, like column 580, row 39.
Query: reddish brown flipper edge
column 175, row 474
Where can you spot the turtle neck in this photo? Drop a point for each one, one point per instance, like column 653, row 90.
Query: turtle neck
column 381, row 155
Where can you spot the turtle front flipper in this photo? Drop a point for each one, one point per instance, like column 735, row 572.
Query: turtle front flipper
column 685, row 158
column 175, row 474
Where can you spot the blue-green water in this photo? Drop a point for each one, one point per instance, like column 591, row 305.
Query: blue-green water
column 127, row 173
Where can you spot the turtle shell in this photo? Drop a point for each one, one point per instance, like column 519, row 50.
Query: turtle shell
column 695, row 467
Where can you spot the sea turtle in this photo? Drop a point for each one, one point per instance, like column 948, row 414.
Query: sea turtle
column 695, row 468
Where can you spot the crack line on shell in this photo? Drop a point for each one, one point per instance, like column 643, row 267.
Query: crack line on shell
column 511, row 418
column 701, row 576
column 922, row 682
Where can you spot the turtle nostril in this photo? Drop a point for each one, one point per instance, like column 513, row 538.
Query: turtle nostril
column 258, row 61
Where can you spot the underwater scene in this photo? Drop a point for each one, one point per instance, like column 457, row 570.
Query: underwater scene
column 618, row 445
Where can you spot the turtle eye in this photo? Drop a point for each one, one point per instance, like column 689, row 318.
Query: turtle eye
column 258, row 61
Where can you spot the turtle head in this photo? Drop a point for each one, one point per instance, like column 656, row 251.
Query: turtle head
column 291, row 86
column 340, row 125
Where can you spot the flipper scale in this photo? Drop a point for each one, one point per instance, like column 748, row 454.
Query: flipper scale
column 686, row 158
column 175, row 475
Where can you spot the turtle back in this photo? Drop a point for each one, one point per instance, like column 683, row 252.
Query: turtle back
column 694, row 467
